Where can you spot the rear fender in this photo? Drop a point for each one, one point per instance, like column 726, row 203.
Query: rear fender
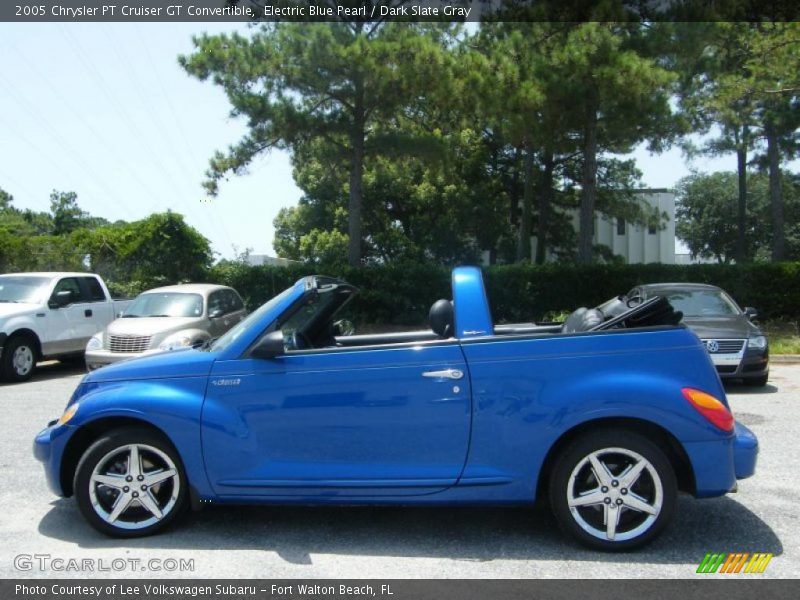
column 645, row 396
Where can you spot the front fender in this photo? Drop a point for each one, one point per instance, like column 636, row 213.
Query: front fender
column 172, row 406
column 11, row 324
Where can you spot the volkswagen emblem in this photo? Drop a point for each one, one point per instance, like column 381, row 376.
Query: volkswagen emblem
column 712, row 345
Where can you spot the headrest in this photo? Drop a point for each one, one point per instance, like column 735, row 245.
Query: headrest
column 582, row 319
column 442, row 318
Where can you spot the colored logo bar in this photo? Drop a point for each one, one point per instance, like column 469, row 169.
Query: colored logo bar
column 734, row 562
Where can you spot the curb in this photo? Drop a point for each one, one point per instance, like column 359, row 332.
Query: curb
column 785, row 359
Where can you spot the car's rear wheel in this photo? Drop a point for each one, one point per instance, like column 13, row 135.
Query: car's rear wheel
column 18, row 362
column 613, row 490
column 130, row 483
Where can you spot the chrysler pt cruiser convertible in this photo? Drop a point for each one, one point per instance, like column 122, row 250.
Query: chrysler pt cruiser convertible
column 608, row 416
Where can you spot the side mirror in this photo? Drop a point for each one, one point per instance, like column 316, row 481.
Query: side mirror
column 269, row 346
column 214, row 313
column 750, row 312
column 60, row 299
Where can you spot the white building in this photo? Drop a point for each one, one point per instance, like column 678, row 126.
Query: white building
column 255, row 260
column 637, row 243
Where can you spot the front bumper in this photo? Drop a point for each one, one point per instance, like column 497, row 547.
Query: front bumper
column 753, row 363
column 48, row 448
column 100, row 358
column 718, row 464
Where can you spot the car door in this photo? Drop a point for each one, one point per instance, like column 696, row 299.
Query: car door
column 98, row 311
column 55, row 325
column 360, row 421
column 67, row 325
column 236, row 308
column 217, row 313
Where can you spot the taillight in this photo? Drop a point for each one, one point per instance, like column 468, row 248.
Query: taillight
column 712, row 409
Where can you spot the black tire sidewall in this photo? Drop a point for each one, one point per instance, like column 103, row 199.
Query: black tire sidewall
column 7, row 359
column 591, row 442
column 100, row 448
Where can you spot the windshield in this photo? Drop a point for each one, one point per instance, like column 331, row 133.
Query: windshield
column 232, row 334
column 165, row 304
column 23, row 289
column 703, row 303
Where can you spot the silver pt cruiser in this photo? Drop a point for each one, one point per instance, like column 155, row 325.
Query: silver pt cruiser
column 164, row 319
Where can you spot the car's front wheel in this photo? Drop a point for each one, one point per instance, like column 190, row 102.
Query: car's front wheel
column 18, row 361
column 130, row 483
column 613, row 490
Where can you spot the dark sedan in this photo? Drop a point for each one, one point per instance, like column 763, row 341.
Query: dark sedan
column 737, row 346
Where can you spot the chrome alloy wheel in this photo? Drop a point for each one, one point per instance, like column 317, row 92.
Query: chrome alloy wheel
column 22, row 360
column 615, row 494
column 134, row 486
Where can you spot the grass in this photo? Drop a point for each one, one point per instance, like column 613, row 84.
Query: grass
column 784, row 336
column 788, row 344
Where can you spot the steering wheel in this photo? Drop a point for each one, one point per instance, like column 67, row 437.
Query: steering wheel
column 300, row 341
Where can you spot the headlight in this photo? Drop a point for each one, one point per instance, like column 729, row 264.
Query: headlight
column 759, row 342
column 175, row 343
column 96, row 343
column 68, row 414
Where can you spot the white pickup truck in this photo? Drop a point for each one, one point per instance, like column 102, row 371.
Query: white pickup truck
column 50, row 315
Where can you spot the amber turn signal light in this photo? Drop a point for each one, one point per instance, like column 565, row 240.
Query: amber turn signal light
column 710, row 407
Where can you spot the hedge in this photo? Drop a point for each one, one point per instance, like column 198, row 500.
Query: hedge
column 400, row 294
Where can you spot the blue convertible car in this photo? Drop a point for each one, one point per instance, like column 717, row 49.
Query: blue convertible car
column 607, row 416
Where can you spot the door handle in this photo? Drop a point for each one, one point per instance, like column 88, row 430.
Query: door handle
column 88, row 312
column 445, row 374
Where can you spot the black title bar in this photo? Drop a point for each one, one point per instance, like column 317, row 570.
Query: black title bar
column 697, row 588
column 143, row 11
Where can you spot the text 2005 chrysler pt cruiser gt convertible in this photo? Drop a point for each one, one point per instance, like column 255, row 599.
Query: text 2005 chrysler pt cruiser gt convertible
column 608, row 416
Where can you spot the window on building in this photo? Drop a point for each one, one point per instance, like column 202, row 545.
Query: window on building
column 651, row 229
column 620, row 226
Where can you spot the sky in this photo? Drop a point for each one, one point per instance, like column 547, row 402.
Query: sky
column 104, row 110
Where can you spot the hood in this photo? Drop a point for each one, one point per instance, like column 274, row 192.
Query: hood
column 10, row 309
column 733, row 327
column 151, row 325
column 176, row 363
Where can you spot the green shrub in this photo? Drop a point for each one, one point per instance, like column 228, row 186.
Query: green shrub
column 401, row 294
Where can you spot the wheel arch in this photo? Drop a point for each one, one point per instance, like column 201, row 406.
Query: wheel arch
column 29, row 333
column 90, row 432
column 666, row 441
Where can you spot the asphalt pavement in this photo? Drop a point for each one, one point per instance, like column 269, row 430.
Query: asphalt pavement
column 45, row 536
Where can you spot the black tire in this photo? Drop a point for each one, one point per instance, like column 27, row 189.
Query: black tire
column 18, row 362
column 656, row 485
column 756, row 381
column 107, row 456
